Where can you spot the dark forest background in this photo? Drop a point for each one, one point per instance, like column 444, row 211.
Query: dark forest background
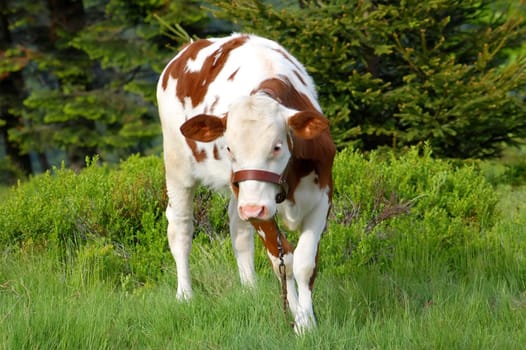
column 77, row 78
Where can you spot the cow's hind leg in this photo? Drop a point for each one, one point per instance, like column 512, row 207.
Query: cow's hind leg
column 242, row 234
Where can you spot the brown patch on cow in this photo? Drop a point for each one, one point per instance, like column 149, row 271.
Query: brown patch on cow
column 176, row 68
column 316, row 154
column 198, row 155
column 216, row 153
column 232, row 76
column 270, row 240
column 195, row 84
column 282, row 91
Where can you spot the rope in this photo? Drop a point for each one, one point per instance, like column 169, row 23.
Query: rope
column 283, row 275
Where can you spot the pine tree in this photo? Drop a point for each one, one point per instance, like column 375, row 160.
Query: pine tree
column 398, row 73
column 90, row 76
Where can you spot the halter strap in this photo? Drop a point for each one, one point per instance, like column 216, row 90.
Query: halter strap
column 266, row 176
column 258, row 175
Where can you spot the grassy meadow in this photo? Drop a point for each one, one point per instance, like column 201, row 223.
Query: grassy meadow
column 419, row 254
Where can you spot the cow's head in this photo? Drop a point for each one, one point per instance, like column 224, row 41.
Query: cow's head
column 257, row 132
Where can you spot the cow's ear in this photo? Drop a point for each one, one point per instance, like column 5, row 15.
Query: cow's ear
column 308, row 124
column 204, row 127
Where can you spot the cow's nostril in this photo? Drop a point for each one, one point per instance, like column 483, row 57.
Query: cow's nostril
column 251, row 211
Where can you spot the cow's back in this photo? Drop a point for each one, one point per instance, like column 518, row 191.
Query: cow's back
column 205, row 77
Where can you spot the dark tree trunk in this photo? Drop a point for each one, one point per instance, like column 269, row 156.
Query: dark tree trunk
column 69, row 16
column 12, row 94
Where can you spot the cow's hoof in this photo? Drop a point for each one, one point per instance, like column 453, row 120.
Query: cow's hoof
column 304, row 323
column 184, row 295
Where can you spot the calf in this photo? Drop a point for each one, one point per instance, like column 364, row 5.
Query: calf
column 240, row 111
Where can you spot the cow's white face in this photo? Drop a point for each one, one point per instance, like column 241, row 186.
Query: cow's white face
column 256, row 136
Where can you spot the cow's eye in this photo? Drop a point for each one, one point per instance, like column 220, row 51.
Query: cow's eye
column 277, row 148
column 230, row 154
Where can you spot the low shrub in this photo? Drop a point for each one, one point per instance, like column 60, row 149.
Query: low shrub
column 101, row 212
column 103, row 216
column 411, row 211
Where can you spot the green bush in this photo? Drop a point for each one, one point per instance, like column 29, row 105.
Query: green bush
column 103, row 216
column 99, row 211
column 409, row 210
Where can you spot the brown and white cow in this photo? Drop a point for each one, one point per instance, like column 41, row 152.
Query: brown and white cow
column 240, row 111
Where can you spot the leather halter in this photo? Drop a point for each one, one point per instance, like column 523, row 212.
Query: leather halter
column 258, row 175
column 266, row 176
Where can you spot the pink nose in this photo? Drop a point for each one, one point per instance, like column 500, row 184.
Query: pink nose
column 251, row 211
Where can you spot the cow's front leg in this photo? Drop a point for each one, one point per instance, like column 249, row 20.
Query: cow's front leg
column 305, row 265
column 242, row 235
column 269, row 231
column 179, row 214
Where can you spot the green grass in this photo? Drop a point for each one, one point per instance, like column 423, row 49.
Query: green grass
column 90, row 268
column 46, row 304
column 369, row 310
